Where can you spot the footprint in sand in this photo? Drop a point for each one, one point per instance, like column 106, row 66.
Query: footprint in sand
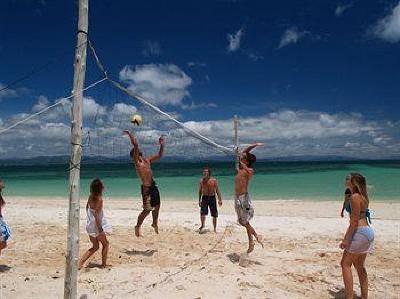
column 247, row 285
column 148, row 252
column 180, row 287
column 243, row 259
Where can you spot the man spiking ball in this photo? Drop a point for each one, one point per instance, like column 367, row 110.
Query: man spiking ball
column 149, row 189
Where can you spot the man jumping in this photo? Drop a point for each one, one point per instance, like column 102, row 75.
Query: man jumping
column 208, row 187
column 150, row 193
column 243, row 205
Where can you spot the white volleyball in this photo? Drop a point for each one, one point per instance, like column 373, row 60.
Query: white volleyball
column 136, row 120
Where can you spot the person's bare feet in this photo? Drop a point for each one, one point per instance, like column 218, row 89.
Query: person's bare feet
column 251, row 247
column 201, row 229
column 137, row 231
column 259, row 239
column 105, row 266
column 155, row 228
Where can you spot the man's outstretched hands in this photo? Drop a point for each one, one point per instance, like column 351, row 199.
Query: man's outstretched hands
column 133, row 138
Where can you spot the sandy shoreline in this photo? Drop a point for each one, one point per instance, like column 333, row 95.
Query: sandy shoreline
column 300, row 259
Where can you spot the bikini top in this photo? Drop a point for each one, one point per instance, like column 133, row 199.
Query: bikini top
column 363, row 214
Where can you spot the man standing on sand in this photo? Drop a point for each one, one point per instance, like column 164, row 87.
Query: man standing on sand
column 243, row 205
column 150, row 193
column 208, row 187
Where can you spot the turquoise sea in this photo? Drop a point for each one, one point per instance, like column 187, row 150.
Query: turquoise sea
column 272, row 181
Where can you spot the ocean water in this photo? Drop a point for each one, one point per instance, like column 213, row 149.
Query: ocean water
column 272, row 180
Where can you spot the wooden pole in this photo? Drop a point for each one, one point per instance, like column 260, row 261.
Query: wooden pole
column 236, row 140
column 72, row 256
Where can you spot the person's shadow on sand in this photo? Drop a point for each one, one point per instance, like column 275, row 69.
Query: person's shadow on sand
column 243, row 259
column 340, row 294
column 233, row 257
column 148, row 252
column 92, row 265
column 4, row 268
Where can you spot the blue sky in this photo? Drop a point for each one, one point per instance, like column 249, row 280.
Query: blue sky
column 306, row 77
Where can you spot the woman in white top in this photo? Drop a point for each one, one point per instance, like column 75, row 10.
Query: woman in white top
column 97, row 225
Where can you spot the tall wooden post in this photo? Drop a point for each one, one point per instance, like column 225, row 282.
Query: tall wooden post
column 236, row 140
column 71, row 267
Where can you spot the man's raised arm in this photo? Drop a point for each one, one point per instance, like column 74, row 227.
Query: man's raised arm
column 251, row 147
column 135, row 145
column 161, row 140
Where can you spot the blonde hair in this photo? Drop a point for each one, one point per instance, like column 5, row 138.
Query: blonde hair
column 360, row 183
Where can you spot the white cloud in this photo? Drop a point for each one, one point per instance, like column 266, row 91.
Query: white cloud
column 58, row 113
column 121, row 112
column 288, row 125
column 7, row 93
column 91, row 108
column 286, row 133
column 53, row 131
column 253, row 55
column 42, row 103
column 352, row 144
column 291, row 133
column 151, row 48
column 20, row 116
column 388, row 28
column 291, row 36
column 161, row 84
column 326, row 120
column 383, row 139
column 49, row 133
column 123, row 109
column 193, row 106
column 340, row 9
column 234, row 40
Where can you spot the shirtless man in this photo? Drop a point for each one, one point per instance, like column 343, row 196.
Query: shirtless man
column 150, row 193
column 243, row 205
column 208, row 186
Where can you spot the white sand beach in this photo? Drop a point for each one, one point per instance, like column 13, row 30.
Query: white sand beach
column 300, row 259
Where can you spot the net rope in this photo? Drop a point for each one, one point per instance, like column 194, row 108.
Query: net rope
column 152, row 107
column 103, row 134
column 62, row 101
column 188, row 130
